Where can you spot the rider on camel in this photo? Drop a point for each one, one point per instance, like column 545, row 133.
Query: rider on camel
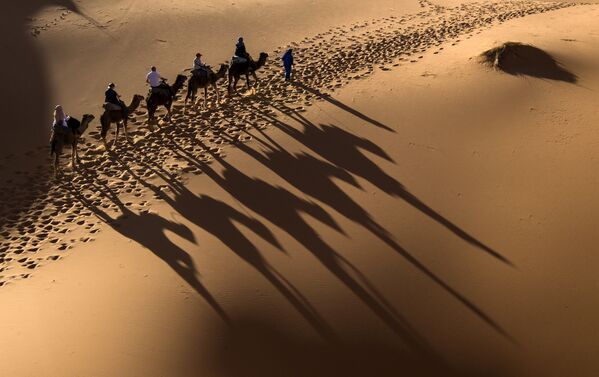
column 241, row 55
column 60, row 119
column 156, row 82
column 112, row 100
column 199, row 68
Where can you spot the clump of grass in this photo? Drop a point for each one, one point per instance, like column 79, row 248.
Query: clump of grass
column 521, row 59
column 495, row 56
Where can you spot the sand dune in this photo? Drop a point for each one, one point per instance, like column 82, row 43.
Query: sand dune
column 396, row 177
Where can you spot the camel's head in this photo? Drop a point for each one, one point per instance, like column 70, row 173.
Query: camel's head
column 223, row 70
column 138, row 98
column 179, row 81
column 87, row 118
column 263, row 56
column 85, row 121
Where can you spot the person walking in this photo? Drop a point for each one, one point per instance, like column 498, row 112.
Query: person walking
column 287, row 64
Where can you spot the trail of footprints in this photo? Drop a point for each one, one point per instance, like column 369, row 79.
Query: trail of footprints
column 58, row 220
column 39, row 25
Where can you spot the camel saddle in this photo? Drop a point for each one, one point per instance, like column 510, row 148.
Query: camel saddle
column 59, row 132
column 163, row 89
column 238, row 60
column 204, row 71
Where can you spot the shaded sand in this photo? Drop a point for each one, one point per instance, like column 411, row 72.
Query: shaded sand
column 402, row 208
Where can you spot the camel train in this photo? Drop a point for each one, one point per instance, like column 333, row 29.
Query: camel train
column 69, row 131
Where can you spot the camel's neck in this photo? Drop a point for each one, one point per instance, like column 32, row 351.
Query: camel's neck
column 260, row 63
column 176, row 86
column 84, row 125
column 134, row 105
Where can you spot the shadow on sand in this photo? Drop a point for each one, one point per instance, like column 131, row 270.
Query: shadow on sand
column 342, row 106
column 525, row 60
column 236, row 352
column 336, row 154
column 148, row 229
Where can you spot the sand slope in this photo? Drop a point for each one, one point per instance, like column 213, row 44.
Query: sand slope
column 414, row 220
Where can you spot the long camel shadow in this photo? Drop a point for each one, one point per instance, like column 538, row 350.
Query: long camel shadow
column 315, row 178
column 282, row 208
column 148, row 229
column 342, row 106
column 220, row 220
column 344, row 149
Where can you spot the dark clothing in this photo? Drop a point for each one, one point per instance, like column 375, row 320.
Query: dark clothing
column 288, row 58
column 200, row 72
column 162, row 89
column 73, row 123
column 112, row 97
column 287, row 63
column 240, row 50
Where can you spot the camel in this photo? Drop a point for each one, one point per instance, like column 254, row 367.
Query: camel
column 238, row 69
column 202, row 81
column 111, row 116
column 164, row 98
column 68, row 135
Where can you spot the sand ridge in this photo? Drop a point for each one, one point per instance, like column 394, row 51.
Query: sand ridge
column 111, row 185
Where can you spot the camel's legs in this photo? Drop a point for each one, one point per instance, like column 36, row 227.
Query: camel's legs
column 205, row 97
column 116, row 137
column 150, row 117
column 56, row 167
column 168, row 112
column 125, row 131
column 77, row 159
column 187, row 97
column 73, row 151
column 217, row 95
column 194, row 101
column 247, row 79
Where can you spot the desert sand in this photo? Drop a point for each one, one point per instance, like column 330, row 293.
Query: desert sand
column 402, row 207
